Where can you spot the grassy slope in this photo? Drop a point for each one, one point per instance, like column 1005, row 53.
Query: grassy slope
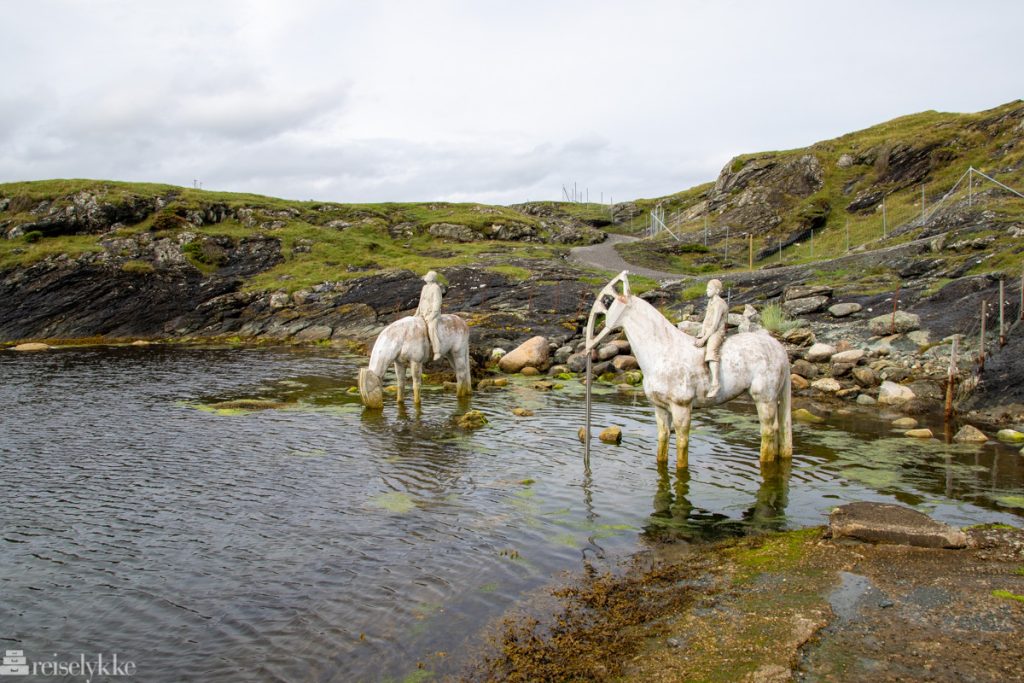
column 364, row 245
column 960, row 140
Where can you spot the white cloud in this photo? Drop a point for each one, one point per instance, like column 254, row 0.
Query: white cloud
column 454, row 99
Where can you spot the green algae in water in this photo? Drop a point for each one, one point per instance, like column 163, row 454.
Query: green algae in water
column 395, row 502
column 1009, row 500
column 312, row 453
column 874, row 478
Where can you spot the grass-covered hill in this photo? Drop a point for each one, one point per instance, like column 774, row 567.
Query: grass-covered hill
column 873, row 187
column 319, row 241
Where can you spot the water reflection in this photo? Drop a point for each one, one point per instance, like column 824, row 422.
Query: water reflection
column 675, row 517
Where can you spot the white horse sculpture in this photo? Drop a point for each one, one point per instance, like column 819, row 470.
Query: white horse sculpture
column 676, row 377
column 405, row 342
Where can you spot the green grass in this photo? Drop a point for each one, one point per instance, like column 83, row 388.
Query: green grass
column 774, row 319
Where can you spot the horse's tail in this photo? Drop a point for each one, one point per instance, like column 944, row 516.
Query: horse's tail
column 786, row 417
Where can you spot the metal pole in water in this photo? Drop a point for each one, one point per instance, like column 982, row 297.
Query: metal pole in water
column 586, row 429
column 951, row 380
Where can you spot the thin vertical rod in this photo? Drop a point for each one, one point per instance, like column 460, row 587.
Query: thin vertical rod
column 1002, row 328
column 951, row 379
column 586, row 429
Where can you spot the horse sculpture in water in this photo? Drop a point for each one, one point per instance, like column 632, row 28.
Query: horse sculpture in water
column 405, row 342
column 676, row 378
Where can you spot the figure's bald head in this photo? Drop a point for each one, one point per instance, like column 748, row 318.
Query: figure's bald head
column 431, row 276
column 714, row 287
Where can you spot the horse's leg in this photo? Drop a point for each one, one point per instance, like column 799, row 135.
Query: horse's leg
column 786, row 419
column 400, row 376
column 417, row 377
column 681, row 421
column 664, row 419
column 767, row 413
column 459, row 359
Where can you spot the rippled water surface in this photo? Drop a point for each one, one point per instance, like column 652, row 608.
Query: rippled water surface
column 313, row 541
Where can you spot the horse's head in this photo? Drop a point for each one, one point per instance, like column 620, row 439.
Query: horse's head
column 611, row 303
column 370, row 389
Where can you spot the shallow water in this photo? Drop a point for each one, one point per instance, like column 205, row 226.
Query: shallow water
column 319, row 542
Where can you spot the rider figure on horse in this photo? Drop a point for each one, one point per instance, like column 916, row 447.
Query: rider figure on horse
column 430, row 309
column 712, row 332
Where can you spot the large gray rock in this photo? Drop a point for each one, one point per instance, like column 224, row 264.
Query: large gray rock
column 805, row 291
column 810, row 304
column 903, row 322
column 819, row 352
column 450, row 231
column 886, row 523
column 843, row 310
column 891, row 393
column 853, row 356
column 577, row 362
column 533, row 352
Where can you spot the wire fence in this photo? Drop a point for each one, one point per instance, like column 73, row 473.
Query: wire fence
column 881, row 221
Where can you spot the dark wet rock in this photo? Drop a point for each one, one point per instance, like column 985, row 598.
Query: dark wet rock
column 804, row 369
column 886, row 523
column 841, row 369
column 806, row 291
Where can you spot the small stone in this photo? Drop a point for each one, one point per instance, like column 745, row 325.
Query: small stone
column 826, row 385
column 545, row 386
column 853, row 356
column 819, row 352
column 840, row 369
column 799, row 336
column 891, row 393
column 623, row 363
column 31, row 346
column 611, row 435
column 141, row 342
column 530, row 371
column 1010, row 436
column 522, row 412
column 843, row 310
column 904, row 423
column 923, row 433
column 674, row 642
column 885, row 603
column 970, row 434
column 607, row 352
column 919, row 337
column 804, row 415
column 847, row 393
column 798, row 383
column 501, row 382
column 865, row 376
column 866, row 400
column 810, row 304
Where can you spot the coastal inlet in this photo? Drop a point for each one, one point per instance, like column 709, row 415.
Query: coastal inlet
column 234, row 514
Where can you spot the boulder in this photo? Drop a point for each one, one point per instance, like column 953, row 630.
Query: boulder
column 826, row 385
column 806, row 291
column 811, row 304
column 607, row 352
column 533, row 352
column 866, row 400
column 853, row 356
column 623, row 363
column 970, row 434
column 922, row 433
column 887, row 323
column 819, row 352
column 577, row 362
column 887, row 523
column 1010, row 436
column 798, row 383
column 611, row 435
column 891, row 393
column 865, row 376
column 799, row 336
column 840, row 369
column 804, row 369
column 843, row 310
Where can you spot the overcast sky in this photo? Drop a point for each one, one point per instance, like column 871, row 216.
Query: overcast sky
column 488, row 101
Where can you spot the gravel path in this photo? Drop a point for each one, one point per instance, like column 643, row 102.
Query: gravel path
column 605, row 257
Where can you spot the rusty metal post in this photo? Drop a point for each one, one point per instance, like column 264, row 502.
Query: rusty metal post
column 951, row 379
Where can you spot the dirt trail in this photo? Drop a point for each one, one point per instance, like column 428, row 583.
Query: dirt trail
column 605, row 256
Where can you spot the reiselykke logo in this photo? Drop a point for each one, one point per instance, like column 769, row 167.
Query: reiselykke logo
column 82, row 665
